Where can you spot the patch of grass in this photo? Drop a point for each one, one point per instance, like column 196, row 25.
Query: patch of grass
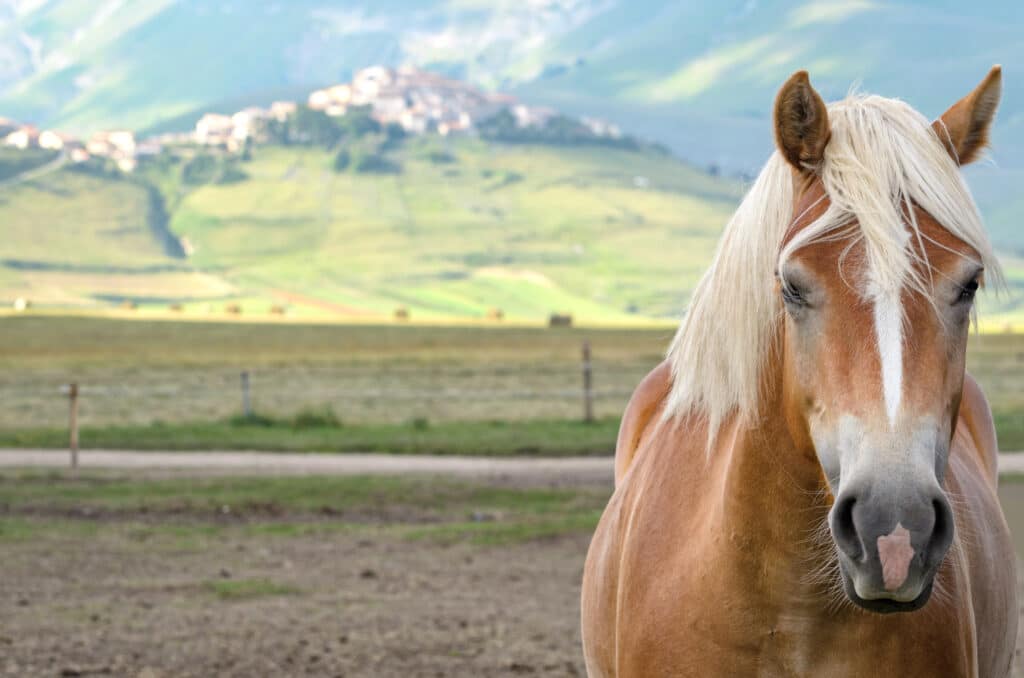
column 500, row 531
column 277, row 497
column 1010, row 428
column 318, row 434
column 17, row 529
column 244, row 589
column 185, row 514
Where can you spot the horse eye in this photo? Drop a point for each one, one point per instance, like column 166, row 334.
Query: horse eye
column 792, row 295
column 967, row 292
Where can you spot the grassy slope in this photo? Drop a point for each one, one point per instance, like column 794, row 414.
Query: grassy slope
column 76, row 237
column 530, row 230
column 607, row 235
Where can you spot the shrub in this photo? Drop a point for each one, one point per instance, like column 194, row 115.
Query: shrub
column 342, row 160
column 373, row 163
column 323, row 417
column 201, row 169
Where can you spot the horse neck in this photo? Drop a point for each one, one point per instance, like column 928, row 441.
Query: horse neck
column 772, row 484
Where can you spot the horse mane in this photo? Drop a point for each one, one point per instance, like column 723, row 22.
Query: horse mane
column 883, row 157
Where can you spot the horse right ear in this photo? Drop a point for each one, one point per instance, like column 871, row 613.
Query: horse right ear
column 801, row 123
column 963, row 129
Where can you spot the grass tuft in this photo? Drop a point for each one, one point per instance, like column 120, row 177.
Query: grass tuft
column 244, row 589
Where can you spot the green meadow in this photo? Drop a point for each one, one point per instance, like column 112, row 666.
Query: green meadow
column 163, row 384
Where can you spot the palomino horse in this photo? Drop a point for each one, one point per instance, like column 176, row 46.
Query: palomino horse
column 807, row 485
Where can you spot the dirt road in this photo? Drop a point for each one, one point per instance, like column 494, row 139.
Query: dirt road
column 571, row 470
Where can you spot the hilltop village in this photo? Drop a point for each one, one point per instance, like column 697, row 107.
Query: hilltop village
column 406, row 100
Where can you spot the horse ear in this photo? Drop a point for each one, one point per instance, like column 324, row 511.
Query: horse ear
column 801, row 123
column 964, row 128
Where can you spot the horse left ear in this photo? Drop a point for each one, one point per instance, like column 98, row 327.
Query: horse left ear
column 963, row 129
column 801, row 123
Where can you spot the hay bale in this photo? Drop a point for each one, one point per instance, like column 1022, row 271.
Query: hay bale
column 22, row 304
column 233, row 309
column 177, row 308
column 278, row 309
column 495, row 314
column 401, row 313
column 129, row 305
column 560, row 320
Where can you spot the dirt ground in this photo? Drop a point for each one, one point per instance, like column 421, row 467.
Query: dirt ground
column 347, row 605
column 119, row 593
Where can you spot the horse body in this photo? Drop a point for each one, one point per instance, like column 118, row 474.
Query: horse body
column 793, row 496
column 704, row 565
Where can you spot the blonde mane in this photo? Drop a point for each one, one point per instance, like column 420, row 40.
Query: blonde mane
column 882, row 157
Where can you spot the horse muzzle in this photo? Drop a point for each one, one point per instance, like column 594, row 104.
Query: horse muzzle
column 891, row 544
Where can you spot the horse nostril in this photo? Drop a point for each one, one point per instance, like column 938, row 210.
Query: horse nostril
column 843, row 529
column 942, row 532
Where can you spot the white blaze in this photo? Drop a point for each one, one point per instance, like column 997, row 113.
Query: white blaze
column 889, row 331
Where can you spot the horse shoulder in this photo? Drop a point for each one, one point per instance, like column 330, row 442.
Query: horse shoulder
column 644, row 405
column 976, row 419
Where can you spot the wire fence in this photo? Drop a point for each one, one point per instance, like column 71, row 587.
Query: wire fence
column 552, row 389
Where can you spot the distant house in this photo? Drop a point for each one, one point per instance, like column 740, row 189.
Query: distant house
column 108, row 144
column 319, row 100
column 23, row 137
column 127, row 164
column 79, row 155
column 214, row 129
column 123, row 141
column 57, row 141
column 98, row 145
column 532, row 116
column 414, row 122
column 332, row 100
column 148, row 147
column 463, row 122
column 118, row 145
column 601, row 128
column 280, row 110
column 249, row 123
column 367, row 83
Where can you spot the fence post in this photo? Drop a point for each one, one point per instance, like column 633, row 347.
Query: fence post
column 246, row 404
column 73, row 424
column 588, row 393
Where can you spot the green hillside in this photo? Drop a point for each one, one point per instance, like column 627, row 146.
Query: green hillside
column 457, row 231
column 447, row 229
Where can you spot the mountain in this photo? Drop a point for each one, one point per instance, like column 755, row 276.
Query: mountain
column 530, row 229
column 698, row 76
column 672, row 70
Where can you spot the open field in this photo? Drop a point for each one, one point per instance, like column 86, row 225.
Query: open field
column 175, row 384
column 410, row 576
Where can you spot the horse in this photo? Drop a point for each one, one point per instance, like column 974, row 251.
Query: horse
column 806, row 486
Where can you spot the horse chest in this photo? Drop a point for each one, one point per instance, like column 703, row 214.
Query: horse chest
column 714, row 607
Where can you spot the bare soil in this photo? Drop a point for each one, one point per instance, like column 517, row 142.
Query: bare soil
column 180, row 594
column 129, row 602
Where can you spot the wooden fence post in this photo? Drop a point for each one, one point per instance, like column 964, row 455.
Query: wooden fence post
column 73, row 424
column 246, row 403
column 588, row 393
